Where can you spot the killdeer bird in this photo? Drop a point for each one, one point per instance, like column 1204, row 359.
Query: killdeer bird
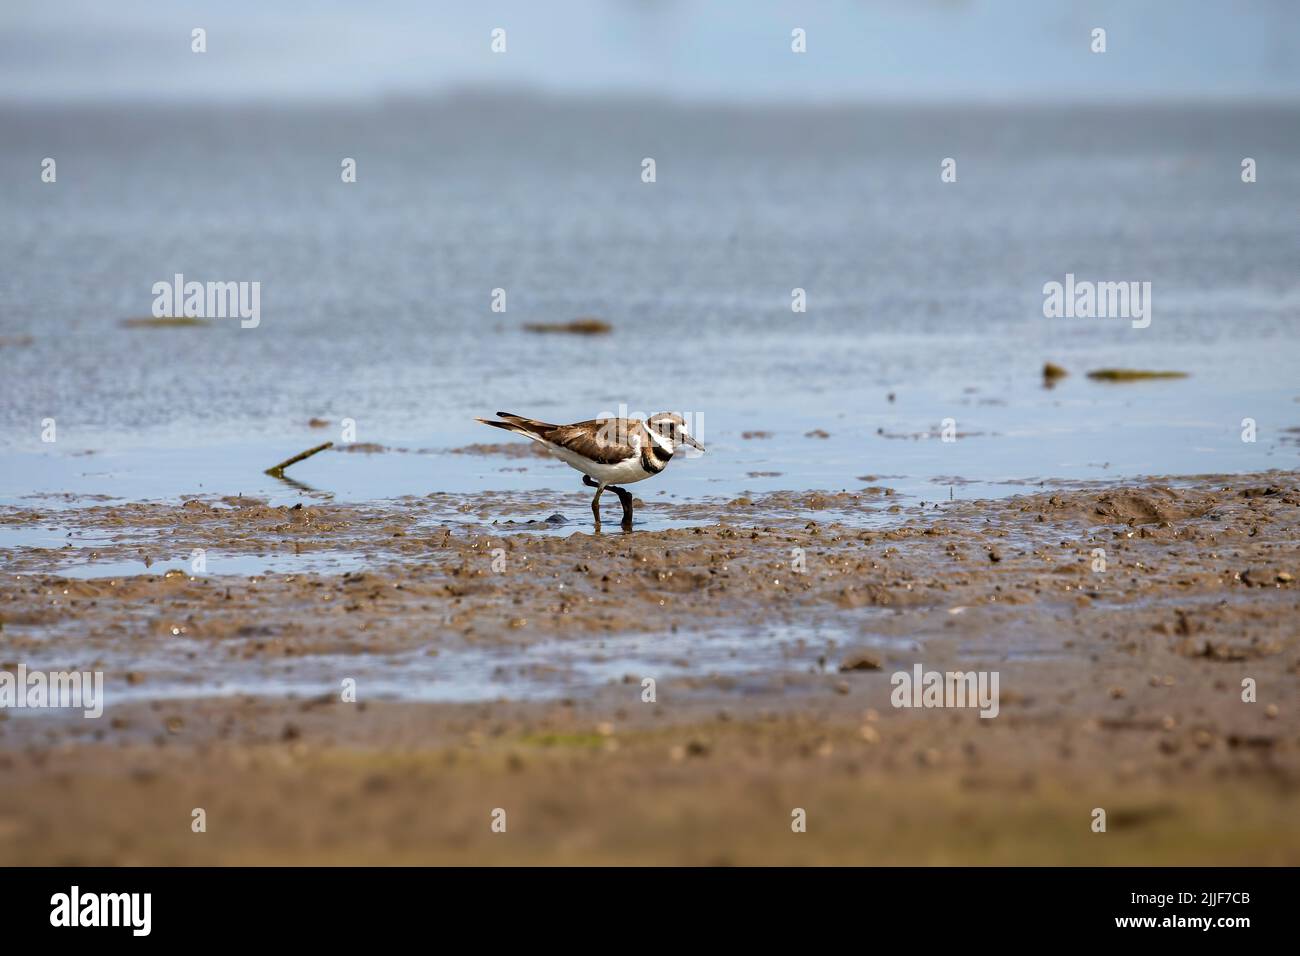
column 608, row 451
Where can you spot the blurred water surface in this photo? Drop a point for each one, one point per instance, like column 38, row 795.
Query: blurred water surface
column 376, row 296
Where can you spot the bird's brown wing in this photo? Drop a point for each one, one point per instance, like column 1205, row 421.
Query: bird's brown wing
column 604, row 440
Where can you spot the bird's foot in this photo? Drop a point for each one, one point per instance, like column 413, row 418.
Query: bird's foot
column 625, row 499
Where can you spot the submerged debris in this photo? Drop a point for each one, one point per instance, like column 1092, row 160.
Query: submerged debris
column 365, row 447
column 1052, row 373
column 583, row 326
column 277, row 471
column 516, row 449
column 1130, row 374
column 164, row 322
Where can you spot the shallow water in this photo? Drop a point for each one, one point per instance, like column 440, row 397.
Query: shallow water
column 742, row 659
column 376, row 296
column 925, row 303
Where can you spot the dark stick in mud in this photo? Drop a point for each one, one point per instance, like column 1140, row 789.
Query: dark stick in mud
column 278, row 470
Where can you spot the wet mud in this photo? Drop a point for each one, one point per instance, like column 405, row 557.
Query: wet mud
column 500, row 660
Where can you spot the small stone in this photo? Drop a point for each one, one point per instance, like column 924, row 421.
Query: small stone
column 1271, row 711
column 1052, row 371
column 869, row 734
column 860, row 661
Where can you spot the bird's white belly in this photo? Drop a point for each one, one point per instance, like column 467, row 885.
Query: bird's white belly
column 622, row 473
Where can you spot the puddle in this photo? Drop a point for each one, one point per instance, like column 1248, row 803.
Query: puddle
column 249, row 565
column 48, row 538
column 748, row 659
column 641, row 522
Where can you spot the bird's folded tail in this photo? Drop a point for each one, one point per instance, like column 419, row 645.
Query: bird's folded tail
column 519, row 425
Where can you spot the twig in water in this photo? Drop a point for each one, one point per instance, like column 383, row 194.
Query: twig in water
column 278, row 470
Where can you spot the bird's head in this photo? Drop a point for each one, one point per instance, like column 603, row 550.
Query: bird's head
column 672, row 428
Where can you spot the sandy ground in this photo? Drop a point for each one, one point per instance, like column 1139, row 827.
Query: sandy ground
column 1120, row 689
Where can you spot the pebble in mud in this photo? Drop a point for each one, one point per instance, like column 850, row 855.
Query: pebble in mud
column 860, row 661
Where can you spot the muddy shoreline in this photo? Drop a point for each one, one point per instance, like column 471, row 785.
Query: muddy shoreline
column 770, row 625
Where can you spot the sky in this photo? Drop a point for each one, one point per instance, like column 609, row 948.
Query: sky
column 735, row 51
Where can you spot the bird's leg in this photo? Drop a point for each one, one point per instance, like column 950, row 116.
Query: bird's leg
column 595, row 502
column 625, row 498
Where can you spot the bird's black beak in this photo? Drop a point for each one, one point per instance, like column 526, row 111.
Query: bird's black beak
column 688, row 440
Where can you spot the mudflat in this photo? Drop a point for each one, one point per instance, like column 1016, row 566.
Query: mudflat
column 720, row 690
